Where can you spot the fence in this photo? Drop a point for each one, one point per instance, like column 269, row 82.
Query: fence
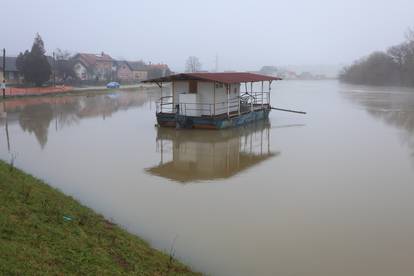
column 33, row 91
column 245, row 103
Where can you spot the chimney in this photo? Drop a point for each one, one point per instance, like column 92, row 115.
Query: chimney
column 102, row 53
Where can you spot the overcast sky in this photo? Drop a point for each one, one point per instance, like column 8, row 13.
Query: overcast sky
column 244, row 34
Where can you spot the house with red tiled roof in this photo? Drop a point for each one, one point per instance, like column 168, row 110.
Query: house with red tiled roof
column 139, row 70
column 123, row 71
column 129, row 71
column 94, row 67
column 156, row 70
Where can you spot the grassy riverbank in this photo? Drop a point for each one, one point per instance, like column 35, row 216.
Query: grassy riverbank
column 42, row 231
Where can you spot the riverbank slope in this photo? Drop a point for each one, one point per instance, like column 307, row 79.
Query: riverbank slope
column 44, row 231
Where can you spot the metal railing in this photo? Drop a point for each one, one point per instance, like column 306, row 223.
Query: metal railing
column 209, row 109
column 244, row 103
column 165, row 105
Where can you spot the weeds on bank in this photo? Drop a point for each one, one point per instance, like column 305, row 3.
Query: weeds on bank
column 42, row 230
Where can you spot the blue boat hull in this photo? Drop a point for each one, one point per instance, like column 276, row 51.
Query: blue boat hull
column 207, row 122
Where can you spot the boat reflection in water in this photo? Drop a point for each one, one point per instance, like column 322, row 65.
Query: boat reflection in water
column 197, row 155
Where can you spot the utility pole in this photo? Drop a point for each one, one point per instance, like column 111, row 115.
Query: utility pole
column 4, row 73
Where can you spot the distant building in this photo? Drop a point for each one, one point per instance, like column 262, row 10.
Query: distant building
column 94, row 67
column 158, row 70
column 306, row 76
column 269, row 70
column 139, row 70
column 12, row 73
column 290, row 75
column 123, row 71
column 129, row 71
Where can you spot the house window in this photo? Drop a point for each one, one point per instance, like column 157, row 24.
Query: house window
column 192, row 86
column 219, row 85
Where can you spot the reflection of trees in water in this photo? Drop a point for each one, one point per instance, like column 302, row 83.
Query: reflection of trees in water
column 65, row 114
column 43, row 115
column 35, row 115
column 402, row 119
column 395, row 108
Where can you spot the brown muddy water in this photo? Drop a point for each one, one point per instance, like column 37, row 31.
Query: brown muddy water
column 328, row 193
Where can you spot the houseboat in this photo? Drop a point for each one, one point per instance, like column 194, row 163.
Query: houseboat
column 213, row 100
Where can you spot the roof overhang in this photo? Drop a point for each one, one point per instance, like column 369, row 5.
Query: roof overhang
column 226, row 78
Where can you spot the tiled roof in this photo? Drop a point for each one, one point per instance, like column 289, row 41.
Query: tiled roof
column 137, row 65
column 159, row 66
column 92, row 59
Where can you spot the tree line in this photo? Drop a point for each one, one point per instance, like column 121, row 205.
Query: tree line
column 38, row 69
column 395, row 66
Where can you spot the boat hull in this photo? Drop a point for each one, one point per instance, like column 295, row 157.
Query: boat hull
column 206, row 122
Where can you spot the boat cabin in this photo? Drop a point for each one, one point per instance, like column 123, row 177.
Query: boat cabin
column 213, row 100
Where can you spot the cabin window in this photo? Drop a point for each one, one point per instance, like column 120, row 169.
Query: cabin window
column 192, row 86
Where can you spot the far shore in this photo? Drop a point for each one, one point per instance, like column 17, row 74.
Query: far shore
column 65, row 90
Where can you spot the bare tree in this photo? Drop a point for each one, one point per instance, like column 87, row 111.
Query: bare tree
column 64, row 65
column 62, row 54
column 395, row 67
column 399, row 55
column 192, row 64
column 409, row 35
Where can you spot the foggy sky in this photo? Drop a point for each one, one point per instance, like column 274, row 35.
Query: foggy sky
column 244, row 34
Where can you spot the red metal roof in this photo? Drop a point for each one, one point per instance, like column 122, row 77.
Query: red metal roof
column 228, row 78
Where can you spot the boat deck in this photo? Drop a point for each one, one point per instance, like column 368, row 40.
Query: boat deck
column 233, row 119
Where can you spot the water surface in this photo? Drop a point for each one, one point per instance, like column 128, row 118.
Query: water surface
column 328, row 193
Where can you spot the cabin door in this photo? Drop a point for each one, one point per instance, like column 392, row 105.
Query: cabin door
column 192, row 86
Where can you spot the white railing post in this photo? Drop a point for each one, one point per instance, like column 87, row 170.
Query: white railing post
column 228, row 99
column 238, row 102
column 214, row 99
column 161, row 97
column 268, row 95
column 262, row 94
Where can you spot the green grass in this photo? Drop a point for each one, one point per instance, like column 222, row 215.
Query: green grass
column 35, row 237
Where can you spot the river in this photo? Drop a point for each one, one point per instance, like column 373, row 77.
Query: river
column 327, row 193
